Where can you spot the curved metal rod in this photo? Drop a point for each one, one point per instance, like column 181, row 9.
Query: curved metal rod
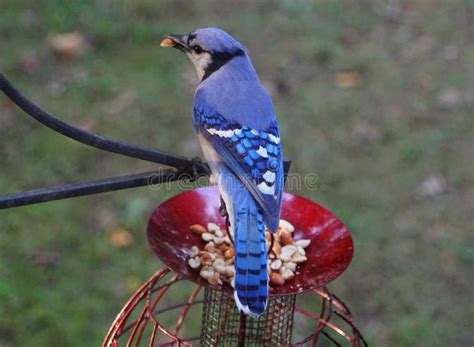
column 92, row 187
column 184, row 168
column 88, row 138
column 143, row 291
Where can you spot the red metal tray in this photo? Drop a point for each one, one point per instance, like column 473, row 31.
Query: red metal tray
column 329, row 253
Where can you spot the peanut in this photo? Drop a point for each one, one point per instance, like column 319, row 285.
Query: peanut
column 215, row 262
column 276, row 248
column 223, row 247
column 275, row 265
column 302, row 243
column 213, row 227
column 287, row 251
column 167, row 43
column 194, row 262
column 230, row 253
column 214, row 279
column 207, row 237
column 206, row 272
column 219, row 240
column 286, row 225
column 198, row 229
column 276, row 279
column 210, row 247
column 286, row 238
column 287, row 274
column 194, row 251
column 299, row 259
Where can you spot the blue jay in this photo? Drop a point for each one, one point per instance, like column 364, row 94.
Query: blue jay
column 236, row 126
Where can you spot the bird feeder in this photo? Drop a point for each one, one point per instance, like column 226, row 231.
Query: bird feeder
column 146, row 319
column 300, row 312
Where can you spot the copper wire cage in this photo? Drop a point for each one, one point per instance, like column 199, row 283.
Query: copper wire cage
column 152, row 317
column 168, row 310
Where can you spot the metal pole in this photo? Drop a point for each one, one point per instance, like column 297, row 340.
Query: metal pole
column 91, row 187
column 86, row 137
column 184, row 168
column 242, row 324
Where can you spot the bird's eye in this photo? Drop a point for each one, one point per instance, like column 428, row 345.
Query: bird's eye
column 198, row 49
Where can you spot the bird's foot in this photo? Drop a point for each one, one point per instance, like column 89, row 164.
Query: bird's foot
column 213, row 180
column 223, row 209
column 199, row 168
column 223, row 212
column 272, row 239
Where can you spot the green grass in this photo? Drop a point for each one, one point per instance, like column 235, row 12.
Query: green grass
column 372, row 146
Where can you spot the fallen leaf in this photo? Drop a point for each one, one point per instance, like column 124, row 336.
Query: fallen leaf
column 44, row 259
column 348, row 79
column 425, row 81
column 120, row 237
column 69, row 45
column 364, row 132
column 451, row 98
column 432, row 186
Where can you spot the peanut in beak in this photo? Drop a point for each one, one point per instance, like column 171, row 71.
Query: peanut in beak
column 167, row 42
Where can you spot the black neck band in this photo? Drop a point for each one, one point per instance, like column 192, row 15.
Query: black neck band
column 219, row 59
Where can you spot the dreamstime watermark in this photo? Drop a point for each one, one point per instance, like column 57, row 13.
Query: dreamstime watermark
column 294, row 182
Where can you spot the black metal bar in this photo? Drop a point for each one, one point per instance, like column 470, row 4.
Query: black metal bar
column 91, row 187
column 86, row 137
column 98, row 186
column 185, row 168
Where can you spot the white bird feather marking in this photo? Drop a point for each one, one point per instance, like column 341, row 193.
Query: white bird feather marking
column 221, row 133
column 274, row 139
column 269, row 176
column 262, row 152
column 266, row 189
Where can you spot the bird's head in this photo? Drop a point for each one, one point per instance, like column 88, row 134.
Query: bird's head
column 208, row 49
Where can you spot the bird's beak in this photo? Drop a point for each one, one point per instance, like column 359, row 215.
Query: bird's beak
column 176, row 41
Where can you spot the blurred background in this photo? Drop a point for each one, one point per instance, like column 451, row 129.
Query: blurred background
column 375, row 97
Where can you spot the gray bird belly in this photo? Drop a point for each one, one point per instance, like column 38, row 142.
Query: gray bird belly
column 215, row 163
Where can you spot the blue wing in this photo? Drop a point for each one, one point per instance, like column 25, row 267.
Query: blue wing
column 255, row 156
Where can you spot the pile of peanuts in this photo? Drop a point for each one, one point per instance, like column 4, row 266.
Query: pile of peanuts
column 216, row 261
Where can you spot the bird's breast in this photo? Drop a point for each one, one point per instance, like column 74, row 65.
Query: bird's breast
column 212, row 157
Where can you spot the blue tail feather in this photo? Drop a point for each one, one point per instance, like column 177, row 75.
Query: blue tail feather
column 251, row 278
column 248, row 224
